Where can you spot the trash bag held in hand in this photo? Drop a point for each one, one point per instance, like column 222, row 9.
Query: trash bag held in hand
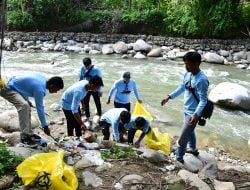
column 140, row 110
column 47, row 171
column 154, row 139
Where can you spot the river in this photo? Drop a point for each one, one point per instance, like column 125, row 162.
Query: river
column 228, row 130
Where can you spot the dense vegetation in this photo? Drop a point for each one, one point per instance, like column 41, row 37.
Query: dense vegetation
column 8, row 161
column 191, row 18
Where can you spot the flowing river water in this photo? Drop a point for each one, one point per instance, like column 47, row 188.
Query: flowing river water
column 228, row 130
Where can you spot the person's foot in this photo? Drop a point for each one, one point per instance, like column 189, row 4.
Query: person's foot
column 180, row 160
column 35, row 137
column 27, row 141
column 194, row 152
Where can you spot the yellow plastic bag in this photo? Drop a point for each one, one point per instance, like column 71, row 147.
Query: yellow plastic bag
column 158, row 141
column 140, row 110
column 154, row 139
column 47, row 171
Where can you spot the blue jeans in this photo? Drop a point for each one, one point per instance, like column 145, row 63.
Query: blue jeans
column 187, row 137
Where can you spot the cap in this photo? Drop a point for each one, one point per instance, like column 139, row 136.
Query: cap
column 126, row 75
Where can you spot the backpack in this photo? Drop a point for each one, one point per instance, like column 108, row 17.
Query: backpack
column 208, row 109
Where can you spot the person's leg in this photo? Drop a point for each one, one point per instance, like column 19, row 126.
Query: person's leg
column 23, row 109
column 122, row 132
column 97, row 102
column 117, row 105
column 127, row 106
column 86, row 104
column 70, row 121
column 77, row 125
column 120, row 105
column 191, row 147
column 131, row 135
column 105, row 129
column 185, row 136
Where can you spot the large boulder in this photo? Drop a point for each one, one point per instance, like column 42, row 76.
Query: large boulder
column 120, row 47
column 9, row 121
column 213, row 58
column 141, row 45
column 231, row 95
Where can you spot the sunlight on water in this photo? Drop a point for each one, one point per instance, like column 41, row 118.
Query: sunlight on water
column 227, row 129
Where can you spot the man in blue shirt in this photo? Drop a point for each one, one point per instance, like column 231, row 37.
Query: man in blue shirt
column 87, row 72
column 194, row 80
column 71, row 100
column 115, row 118
column 17, row 91
column 137, row 122
column 122, row 89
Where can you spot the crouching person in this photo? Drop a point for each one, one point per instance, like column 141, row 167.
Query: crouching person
column 137, row 123
column 115, row 118
column 71, row 100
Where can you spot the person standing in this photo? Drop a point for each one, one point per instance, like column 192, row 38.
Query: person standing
column 89, row 70
column 17, row 91
column 194, row 80
column 122, row 89
column 71, row 100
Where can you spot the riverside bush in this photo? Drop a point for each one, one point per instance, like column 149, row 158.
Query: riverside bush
column 117, row 152
column 8, row 160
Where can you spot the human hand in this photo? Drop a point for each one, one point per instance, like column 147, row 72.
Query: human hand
column 100, row 94
column 193, row 119
column 30, row 104
column 165, row 100
column 137, row 144
column 46, row 130
column 108, row 102
column 84, row 128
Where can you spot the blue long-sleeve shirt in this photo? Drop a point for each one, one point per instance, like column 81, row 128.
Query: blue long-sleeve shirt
column 33, row 85
column 95, row 71
column 122, row 91
column 200, row 84
column 112, row 117
column 131, row 124
column 72, row 97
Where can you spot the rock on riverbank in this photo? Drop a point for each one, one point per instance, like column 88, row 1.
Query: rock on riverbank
column 137, row 46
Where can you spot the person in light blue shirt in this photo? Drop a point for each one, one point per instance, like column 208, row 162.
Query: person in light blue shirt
column 89, row 70
column 70, row 102
column 194, row 80
column 122, row 89
column 115, row 118
column 17, row 91
column 137, row 122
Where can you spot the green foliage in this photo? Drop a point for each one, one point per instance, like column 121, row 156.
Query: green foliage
column 181, row 18
column 8, row 160
column 198, row 18
column 117, row 153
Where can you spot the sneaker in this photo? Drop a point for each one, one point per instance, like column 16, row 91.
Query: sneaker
column 28, row 142
column 35, row 137
column 194, row 152
column 180, row 160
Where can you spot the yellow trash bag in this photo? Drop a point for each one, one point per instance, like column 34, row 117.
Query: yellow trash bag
column 154, row 139
column 140, row 110
column 47, row 171
column 157, row 140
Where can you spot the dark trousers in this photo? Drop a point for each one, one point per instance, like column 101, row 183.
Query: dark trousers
column 119, row 105
column 105, row 129
column 131, row 135
column 96, row 100
column 72, row 123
